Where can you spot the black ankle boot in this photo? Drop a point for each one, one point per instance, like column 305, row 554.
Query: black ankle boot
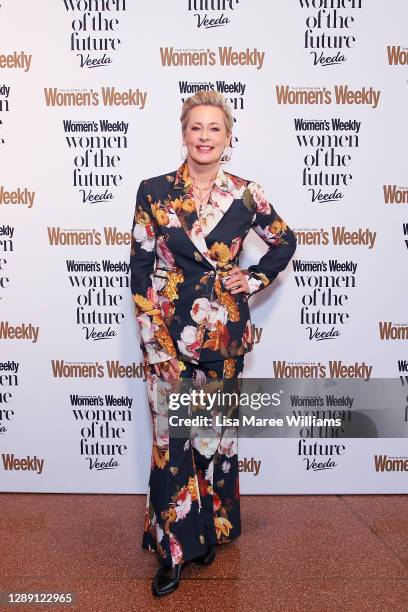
column 166, row 579
column 208, row 557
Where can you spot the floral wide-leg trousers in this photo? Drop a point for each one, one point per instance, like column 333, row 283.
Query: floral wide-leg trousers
column 193, row 496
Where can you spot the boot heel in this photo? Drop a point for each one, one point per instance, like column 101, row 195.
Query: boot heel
column 167, row 579
column 207, row 558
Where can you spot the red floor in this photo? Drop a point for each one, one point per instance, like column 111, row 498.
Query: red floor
column 303, row 553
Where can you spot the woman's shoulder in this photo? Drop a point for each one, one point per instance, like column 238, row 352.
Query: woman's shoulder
column 159, row 181
column 239, row 181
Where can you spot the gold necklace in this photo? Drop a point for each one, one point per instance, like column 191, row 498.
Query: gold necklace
column 201, row 178
column 202, row 198
column 202, row 189
column 206, row 188
column 210, row 181
column 202, row 193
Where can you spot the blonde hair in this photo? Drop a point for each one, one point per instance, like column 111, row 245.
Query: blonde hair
column 210, row 98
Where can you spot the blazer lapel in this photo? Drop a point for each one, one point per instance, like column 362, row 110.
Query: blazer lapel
column 224, row 192
column 221, row 198
column 185, row 207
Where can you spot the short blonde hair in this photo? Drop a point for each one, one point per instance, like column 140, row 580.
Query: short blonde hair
column 210, row 98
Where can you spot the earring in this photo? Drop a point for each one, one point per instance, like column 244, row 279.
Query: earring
column 183, row 151
column 227, row 154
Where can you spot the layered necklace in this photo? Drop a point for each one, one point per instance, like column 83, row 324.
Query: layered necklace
column 202, row 193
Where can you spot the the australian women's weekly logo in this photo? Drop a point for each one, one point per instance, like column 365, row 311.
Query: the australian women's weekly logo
column 334, row 368
column 95, row 29
column 330, row 30
column 397, row 55
column 325, row 290
column 210, row 14
column 392, row 330
column 108, row 236
column 221, row 56
column 395, row 194
column 16, row 60
column 99, row 288
column 341, row 94
column 97, row 148
column 336, row 235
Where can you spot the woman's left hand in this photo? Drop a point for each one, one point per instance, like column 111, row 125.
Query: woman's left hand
column 236, row 281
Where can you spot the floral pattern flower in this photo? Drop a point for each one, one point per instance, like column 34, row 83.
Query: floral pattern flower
column 189, row 343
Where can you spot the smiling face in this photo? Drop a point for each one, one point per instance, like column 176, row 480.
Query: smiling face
column 205, row 134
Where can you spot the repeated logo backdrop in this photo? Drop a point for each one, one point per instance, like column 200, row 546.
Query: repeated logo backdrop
column 90, row 98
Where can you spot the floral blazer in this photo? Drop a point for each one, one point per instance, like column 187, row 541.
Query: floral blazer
column 179, row 256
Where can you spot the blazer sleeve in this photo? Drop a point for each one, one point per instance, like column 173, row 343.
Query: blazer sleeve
column 276, row 234
column 156, row 341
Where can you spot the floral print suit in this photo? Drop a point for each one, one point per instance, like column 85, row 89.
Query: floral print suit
column 178, row 261
column 179, row 256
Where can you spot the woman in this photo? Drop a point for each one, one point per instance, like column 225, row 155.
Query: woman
column 191, row 305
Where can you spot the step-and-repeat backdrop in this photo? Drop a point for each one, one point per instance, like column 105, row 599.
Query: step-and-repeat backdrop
column 90, row 98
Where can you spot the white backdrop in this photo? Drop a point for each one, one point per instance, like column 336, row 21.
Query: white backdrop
column 48, row 231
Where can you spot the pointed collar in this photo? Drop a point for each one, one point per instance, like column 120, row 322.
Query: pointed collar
column 183, row 179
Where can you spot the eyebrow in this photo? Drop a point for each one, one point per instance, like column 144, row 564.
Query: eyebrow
column 212, row 123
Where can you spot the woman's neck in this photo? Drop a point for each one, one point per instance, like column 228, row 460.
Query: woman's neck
column 203, row 171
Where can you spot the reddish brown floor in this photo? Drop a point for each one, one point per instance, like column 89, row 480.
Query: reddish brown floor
column 301, row 553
